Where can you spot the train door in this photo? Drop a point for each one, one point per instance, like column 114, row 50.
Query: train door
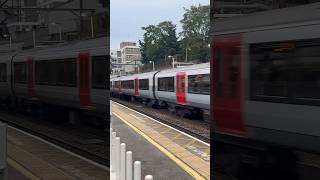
column 181, row 88
column 84, row 79
column 226, row 103
column 136, row 87
column 119, row 86
column 30, row 76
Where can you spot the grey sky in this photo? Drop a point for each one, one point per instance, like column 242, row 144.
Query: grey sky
column 128, row 16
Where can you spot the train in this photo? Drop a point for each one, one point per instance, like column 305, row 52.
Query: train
column 265, row 79
column 72, row 75
column 183, row 90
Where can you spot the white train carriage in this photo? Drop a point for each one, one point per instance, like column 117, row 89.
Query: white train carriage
column 143, row 88
column 5, row 74
column 187, row 86
column 73, row 75
column 126, row 85
column 265, row 72
column 23, row 74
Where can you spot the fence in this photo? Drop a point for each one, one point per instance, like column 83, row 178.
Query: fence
column 3, row 151
column 121, row 161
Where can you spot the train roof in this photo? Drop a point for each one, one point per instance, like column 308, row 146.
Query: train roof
column 192, row 67
column 293, row 16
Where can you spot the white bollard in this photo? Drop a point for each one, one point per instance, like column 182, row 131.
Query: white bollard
column 148, row 177
column 129, row 165
column 111, row 151
column 123, row 162
column 113, row 157
column 137, row 170
column 117, row 158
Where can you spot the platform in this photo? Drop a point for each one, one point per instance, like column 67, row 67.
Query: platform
column 30, row 157
column 166, row 153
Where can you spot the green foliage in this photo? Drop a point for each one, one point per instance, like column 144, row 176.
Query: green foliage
column 159, row 41
column 195, row 32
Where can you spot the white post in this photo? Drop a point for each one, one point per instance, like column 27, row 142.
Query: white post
column 60, row 32
column 34, row 37
column 148, row 177
column 3, row 152
column 153, row 66
column 113, row 157
column 137, row 170
column 117, row 161
column 10, row 40
column 129, row 166
column 111, row 150
column 172, row 62
column 123, row 162
column 186, row 54
column 92, row 30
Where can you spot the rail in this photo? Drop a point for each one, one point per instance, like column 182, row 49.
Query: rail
column 3, row 152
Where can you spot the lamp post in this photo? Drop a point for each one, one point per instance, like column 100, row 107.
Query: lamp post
column 187, row 54
column 172, row 60
column 60, row 30
column 153, row 68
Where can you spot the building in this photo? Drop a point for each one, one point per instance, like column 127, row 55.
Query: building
column 115, row 60
column 35, row 27
column 131, row 56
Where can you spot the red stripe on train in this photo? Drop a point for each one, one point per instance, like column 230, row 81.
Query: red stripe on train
column 136, row 87
column 181, row 88
column 84, row 79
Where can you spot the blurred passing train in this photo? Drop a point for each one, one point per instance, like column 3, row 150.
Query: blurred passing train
column 72, row 75
column 266, row 78
column 182, row 90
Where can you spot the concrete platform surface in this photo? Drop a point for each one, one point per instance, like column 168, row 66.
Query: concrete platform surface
column 166, row 153
column 32, row 158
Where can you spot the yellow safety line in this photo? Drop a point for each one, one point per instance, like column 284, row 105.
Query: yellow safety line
column 22, row 169
column 183, row 165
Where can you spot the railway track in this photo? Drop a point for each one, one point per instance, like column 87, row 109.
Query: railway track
column 77, row 139
column 196, row 128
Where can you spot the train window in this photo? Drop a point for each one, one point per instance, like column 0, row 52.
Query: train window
column 3, row 72
column 286, row 72
column 199, row 84
column 99, row 72
column 117, row 84
column 128, row 84
column 131, row 84
column 20, row 72
column 144, row 84
column 166, row 84
column 56, row 72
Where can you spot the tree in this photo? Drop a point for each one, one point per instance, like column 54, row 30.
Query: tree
column 159, row 41
column 195, row 32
